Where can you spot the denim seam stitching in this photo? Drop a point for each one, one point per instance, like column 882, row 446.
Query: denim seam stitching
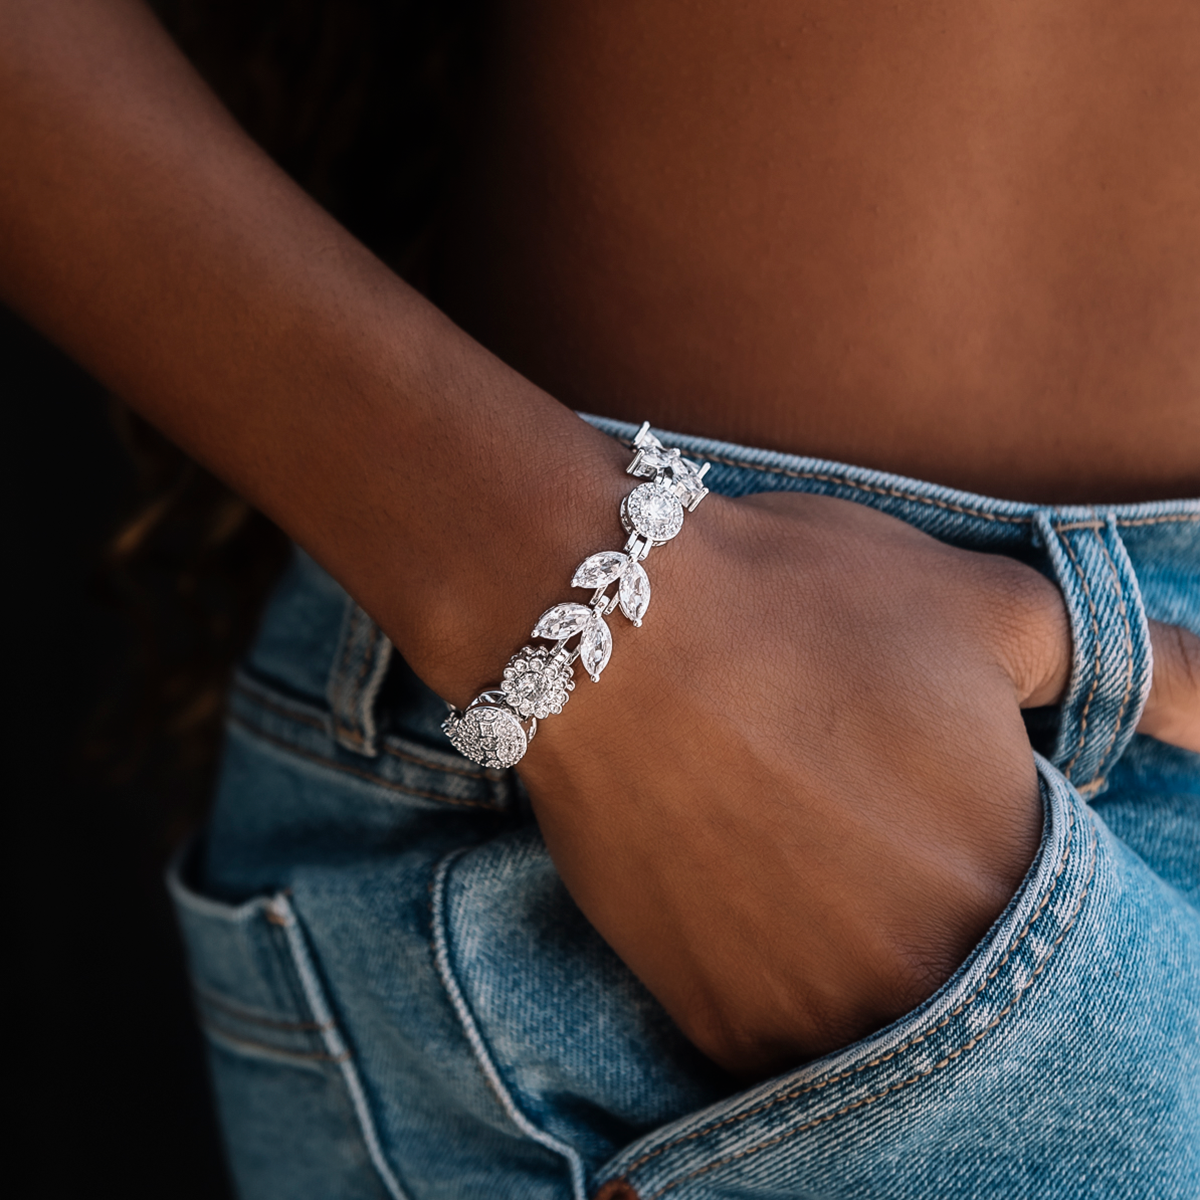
column 356, row 734
column 205, row 996
column 357, row 772
column 428, row 764
column 1096, row 669
column 344, row 660
column 438, row 883
column 875, row 489
column 1112, row 741
column 1168, row 517
column 283, row 710
column 304, row 718
column 945, row 1062
column 900, row 494
column 883, row 1058
column 338, row 1049
column 364, row 718
column 305, row 1056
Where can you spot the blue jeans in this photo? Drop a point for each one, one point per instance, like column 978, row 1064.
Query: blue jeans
column 401, row 1000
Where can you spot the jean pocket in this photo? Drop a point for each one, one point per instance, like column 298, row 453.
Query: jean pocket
column 590, row 1065
column 293, row 1111
column 582, row 1056
column 918, row 1109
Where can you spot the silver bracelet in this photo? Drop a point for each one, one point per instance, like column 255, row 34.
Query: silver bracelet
column 496, row 728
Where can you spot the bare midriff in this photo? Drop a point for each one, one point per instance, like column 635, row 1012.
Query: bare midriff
column 960, row 242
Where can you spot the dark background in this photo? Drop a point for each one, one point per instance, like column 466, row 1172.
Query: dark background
column 110, row 1059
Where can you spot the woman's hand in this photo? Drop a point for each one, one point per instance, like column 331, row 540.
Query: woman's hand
column 804, row 789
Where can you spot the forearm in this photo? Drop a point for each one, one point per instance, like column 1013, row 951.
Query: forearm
column 147, row 234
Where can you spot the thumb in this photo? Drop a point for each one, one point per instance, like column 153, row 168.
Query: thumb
column 1172, row 712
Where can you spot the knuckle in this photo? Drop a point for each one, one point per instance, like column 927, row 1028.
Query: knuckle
column 1176, row 664
column 1187, row 656
column 1023, row 617
column 1172, row 711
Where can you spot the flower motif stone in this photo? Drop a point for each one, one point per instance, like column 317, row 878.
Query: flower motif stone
column 536, row 682
column 499, row 723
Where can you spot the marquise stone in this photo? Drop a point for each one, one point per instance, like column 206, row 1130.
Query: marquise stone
column 562, row 621
column 595, row 647
column 600, row 569
column 656, row 458
column 634, row 592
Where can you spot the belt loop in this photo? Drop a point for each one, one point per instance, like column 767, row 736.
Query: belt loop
column 1111, row 664
column 361, row 661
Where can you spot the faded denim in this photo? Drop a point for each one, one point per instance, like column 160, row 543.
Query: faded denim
column 401, row 1000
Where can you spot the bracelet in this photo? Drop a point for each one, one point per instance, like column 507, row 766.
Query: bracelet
column 495, row 729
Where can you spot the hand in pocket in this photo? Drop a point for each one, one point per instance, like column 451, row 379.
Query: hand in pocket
column 804, row 790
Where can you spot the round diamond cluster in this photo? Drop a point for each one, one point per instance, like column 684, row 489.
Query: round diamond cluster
column 536, row 682
column 654, row 512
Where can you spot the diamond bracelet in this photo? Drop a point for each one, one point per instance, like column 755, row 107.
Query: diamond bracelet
column 495, row 729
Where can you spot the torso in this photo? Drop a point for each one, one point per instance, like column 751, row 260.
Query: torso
column 957, row 242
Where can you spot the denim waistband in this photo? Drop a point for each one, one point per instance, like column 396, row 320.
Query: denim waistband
column 1085, row 548
column 1116, row 565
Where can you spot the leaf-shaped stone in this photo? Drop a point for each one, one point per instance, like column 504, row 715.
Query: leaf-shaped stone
column 562, row 621
column 634, row 592
column 600, row 570
column 660, row 456
column 595, row 647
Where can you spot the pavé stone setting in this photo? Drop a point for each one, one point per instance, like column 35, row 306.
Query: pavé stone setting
column 654, row 512
column 537, row 682
column 496, row 727
column 669, row 467
column 488, row 735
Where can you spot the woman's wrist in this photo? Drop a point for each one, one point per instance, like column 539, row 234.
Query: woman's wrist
column 494, row 730
column 492, row 563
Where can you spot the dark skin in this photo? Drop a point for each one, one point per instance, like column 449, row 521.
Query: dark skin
column 959, row 243
column 788, row 865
